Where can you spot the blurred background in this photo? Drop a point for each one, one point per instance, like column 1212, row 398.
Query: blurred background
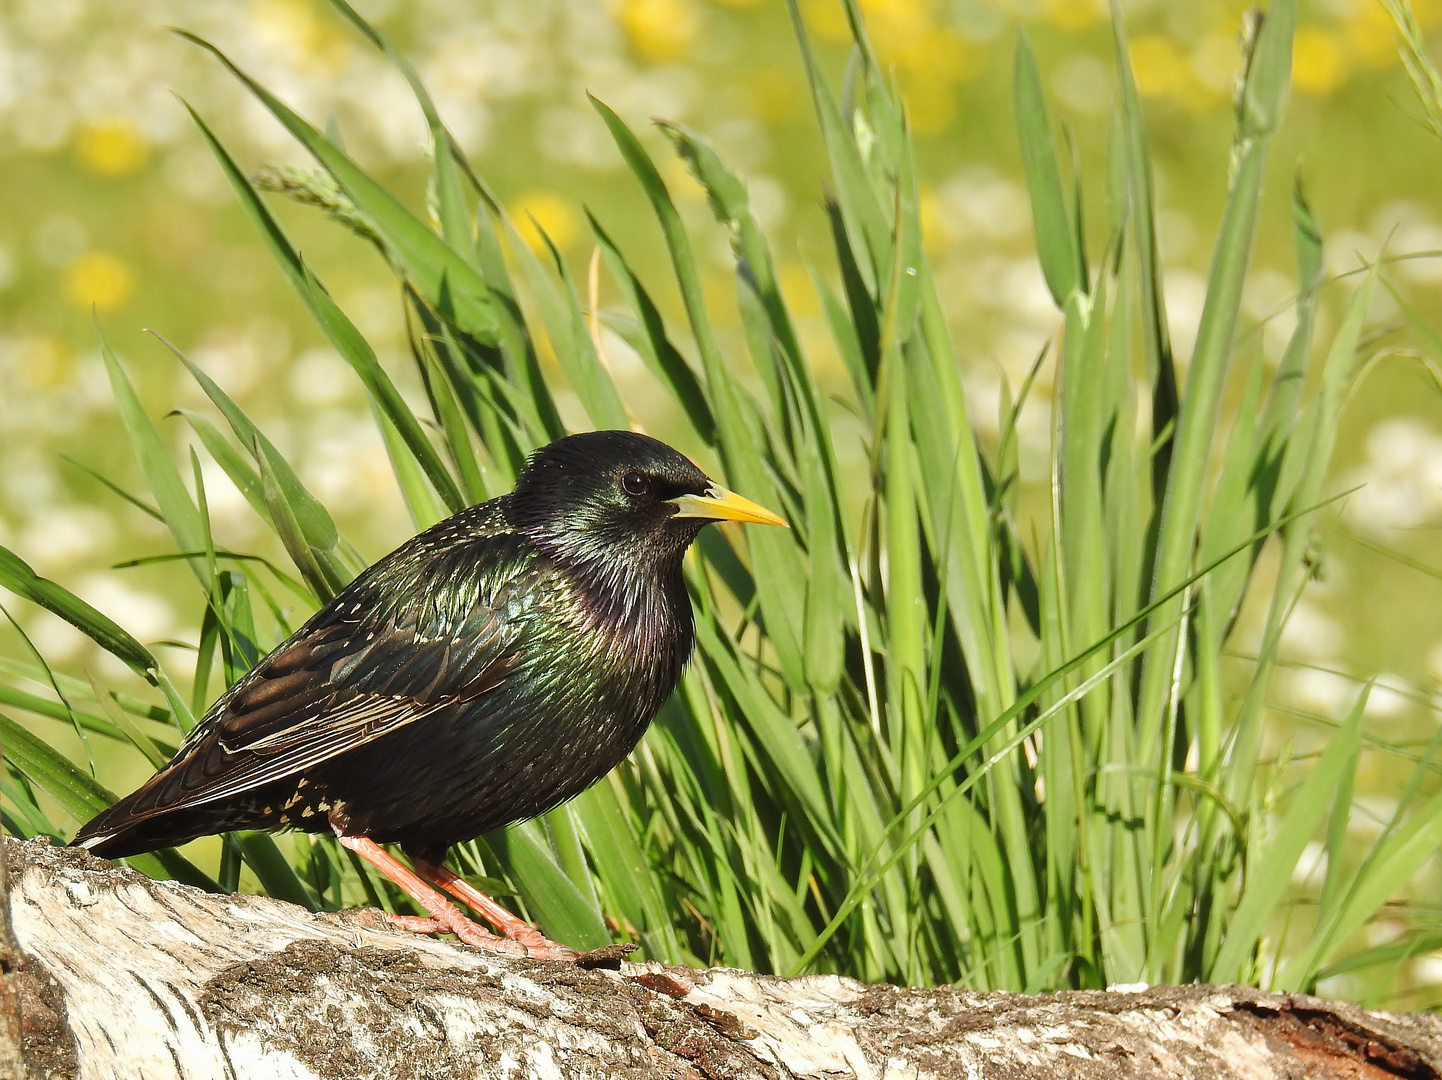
column 110, row 202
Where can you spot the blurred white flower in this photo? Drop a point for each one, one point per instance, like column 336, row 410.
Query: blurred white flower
column 979, row 203
column 56, row 537
column 1186, row 292
column 1310, row 633
column 1390, row 697
column 1324, row 692
column 1085, row 83
column 1400, row 480
column 1312, row 861
column 58, row 239
column 320, row 377
column 146, row 615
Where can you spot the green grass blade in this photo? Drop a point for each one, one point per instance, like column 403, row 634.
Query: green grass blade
column 1395, row 861
column 353, row 348
column 1141, row 214
column 624, row 870
column 82, row 798
column 17, row 576
column 571, row 338
column 453, row 424
column 562, row 910
column 1312, row 450
column 54, row 710
column 857, row 204
column 1263, row 95
column 126, row 729
column 421, row 503
column 1271, row 873
column 174, row 501
column 241, row 473
column 134, row 500
column 274, row 870
column 454, row 218
column 382, row 391
column 313, row 541
column 786, row 751
column 651, row 342
column 1056, row 235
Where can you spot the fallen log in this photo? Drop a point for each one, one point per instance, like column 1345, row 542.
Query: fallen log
column 128, row 977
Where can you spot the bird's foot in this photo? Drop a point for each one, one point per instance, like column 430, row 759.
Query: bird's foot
column 442, row 916
column 453, row 922
column 516, row 929
column 472, row 933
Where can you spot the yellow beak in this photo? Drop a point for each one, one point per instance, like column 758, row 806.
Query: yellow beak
column 719, row 504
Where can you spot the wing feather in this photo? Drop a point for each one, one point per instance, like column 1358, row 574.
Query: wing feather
column 435, row 623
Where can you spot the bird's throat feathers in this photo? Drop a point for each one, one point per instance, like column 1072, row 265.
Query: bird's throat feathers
column 639, row 605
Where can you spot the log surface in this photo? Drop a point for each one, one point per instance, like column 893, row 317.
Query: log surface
column 127, row 977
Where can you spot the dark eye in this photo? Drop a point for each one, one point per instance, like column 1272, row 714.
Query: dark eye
column 634, row 484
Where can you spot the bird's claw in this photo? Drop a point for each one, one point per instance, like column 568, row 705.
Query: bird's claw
column 453, row 922
column 536, row 947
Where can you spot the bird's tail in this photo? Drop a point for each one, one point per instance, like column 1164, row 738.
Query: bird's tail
column 121, row 831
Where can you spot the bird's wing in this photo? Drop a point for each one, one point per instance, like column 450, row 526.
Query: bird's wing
column 407, row 639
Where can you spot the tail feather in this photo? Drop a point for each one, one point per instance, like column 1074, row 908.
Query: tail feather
column 120, row 831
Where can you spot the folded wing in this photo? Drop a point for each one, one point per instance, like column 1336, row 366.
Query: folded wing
column 395, row 647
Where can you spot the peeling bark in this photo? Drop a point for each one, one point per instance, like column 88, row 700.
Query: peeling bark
column 12, row 1063
column 129, row 977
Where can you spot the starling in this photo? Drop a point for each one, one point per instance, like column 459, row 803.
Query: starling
column 487, row 670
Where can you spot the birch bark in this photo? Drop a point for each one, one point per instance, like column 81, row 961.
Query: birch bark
column 128, row 977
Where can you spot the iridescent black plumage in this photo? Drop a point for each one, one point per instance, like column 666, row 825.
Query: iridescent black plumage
column 487, row 670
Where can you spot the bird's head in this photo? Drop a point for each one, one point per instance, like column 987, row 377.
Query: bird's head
column 621, row 502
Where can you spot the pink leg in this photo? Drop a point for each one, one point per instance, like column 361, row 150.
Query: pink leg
column 445, row 917
column 516, row 929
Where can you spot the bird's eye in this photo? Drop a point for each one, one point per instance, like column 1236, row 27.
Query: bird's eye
column 634, row 483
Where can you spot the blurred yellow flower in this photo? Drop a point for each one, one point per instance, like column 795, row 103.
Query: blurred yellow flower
column 930, row 103
column 659, row 29
column 43, row 362
column 827, row 20
column 1217, row 61
column 1370, row 35
column 291, row 29
column 799, row 292
column 1158, row 66
column 1073, row 14
column 680, row 181
column 940, row 53
column 100, row 280
column 288, row 23
column 900, row 29
column 1319, row 64
column 775, row 95
column 899, row 16
column 549, row 211
column 111, row 148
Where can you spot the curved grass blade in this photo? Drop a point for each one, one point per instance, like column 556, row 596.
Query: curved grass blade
column 656, row 349
column 17, row 576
